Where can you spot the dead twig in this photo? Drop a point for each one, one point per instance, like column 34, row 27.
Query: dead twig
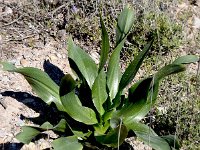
column 12, row 21
column 21, row 39
column 58, row 8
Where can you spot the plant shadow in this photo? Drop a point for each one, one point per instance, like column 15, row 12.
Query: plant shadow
column 53, row 71
column 35, row 103
column 11, row 146
column 46, row 112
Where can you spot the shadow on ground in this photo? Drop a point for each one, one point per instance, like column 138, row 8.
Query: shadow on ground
column 47, row 113
column 11, row 146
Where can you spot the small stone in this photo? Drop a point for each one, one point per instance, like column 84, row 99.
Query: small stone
column 64, row 56
column 196, row 23
column 45, row 145
column 7, row 10
column 24, row 62
column 1, row 39
column 30, row 146
column 59, row 55
column 52, row 57
column 61, row 34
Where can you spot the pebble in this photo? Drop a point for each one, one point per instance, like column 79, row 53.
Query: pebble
column 59, row 55
column 30, row 146
column 1, row 40
column 7, row 10
column 64, row 56
column 52, row 57
column 196, row 24
column 24, row 62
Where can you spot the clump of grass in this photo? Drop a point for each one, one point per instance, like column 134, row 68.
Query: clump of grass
column 181, row 115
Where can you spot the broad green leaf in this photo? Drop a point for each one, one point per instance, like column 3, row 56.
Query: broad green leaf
column 138, row 97
column 84, row 62
column 75, row 109
column 40, row 82
column 108, row 115
column 8, row 66
column 99, row 94
column 124, row 23
column 79, row 133
column 144, row 108
column 153, row 91
column 100, row 129
column 115, row 122
column 105, row 45
column 61, row 126
column 139, row 127
column 148, row 136
column 75, row 70
column 168, row 70
column 114, row 73
column 117, row 100
column 140, row 90
column 111, row 139
column 172, row 141
column 67, row 85
column 155, row 142
column 67, row 143
column 47, row 125
column 134, row 66
column 27, row 134
column 186, row 59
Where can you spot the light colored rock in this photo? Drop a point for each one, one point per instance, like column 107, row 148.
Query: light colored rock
column 196, row 23
column 62, row 35
column 24, row 62
column 1, row 39
column 59, row 55
column 52, row 57
column 7, row 10
column 30, row 146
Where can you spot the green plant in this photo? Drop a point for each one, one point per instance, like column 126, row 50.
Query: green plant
column 107, row 114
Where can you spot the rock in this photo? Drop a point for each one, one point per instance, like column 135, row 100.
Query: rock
column 45, row 145
column 52, row 57
column 196, row 23
column 59, row 55
column 30, row 146
column 52, row 2
column 24, row 62
column 1, row 39
column 61, row 34
column 7, row 10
